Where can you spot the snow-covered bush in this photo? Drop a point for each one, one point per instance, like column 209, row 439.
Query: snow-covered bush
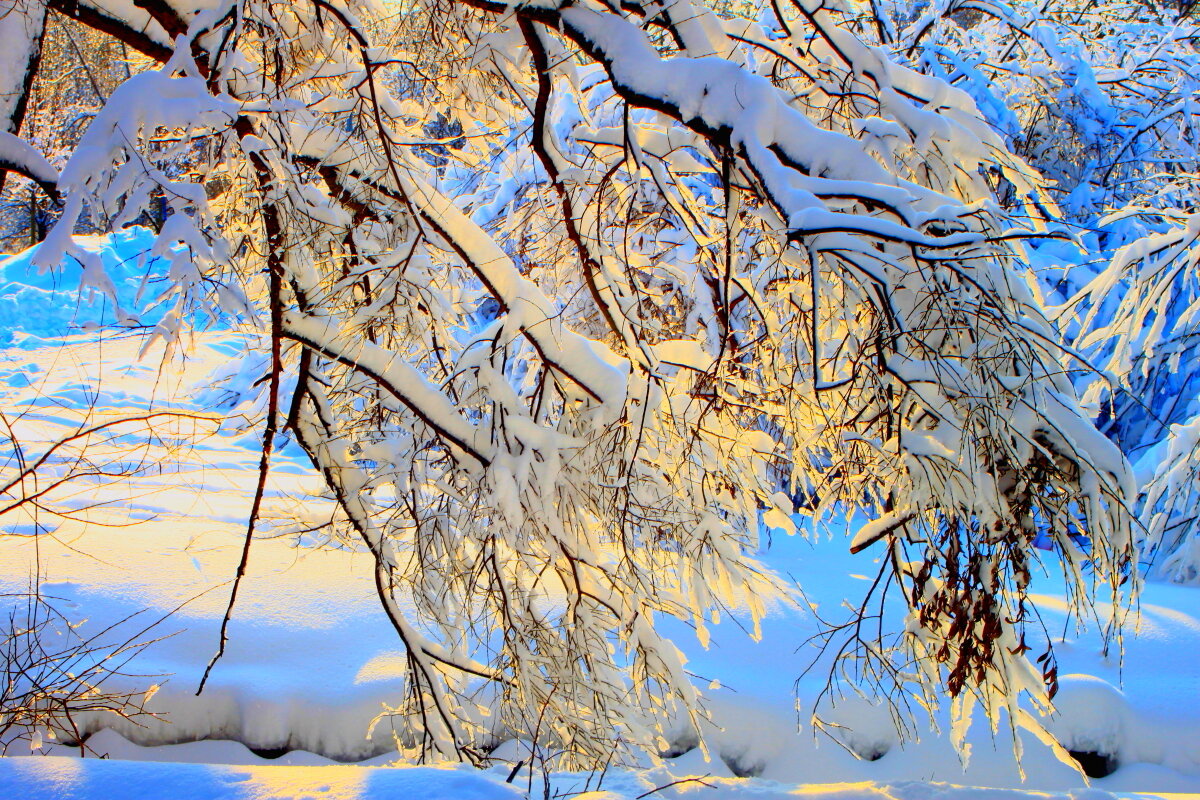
column 51, row 674
column 1100, row 98
column 569, row 303
column 1152, row 335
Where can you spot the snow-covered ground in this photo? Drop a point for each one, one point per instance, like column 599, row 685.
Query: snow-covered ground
column 311, row 660
column 72, row 779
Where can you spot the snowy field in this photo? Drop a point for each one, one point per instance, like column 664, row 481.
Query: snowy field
column 311, row 660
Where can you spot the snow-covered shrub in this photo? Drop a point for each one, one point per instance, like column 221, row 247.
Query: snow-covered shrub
column 52, row 673
column 1100, row 98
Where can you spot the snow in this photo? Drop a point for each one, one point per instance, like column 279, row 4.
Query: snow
column 39, row 305
column 717, row 94
column 589, row 363
column 74, row 779
column 407, row 384
column 311, row 658
column 25, row 158
column 21, row 24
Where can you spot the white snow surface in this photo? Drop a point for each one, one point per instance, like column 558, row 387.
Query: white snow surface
column 311, row 659
column 75, row 779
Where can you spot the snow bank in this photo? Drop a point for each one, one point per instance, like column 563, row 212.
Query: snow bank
column 46, row 305
column 49, row 304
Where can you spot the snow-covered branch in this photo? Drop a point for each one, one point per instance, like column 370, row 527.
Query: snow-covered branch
column 574, row 304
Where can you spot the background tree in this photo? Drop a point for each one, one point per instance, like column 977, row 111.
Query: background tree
column 76, row 67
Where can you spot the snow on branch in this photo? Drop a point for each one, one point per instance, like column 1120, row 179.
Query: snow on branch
column 23, row 158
